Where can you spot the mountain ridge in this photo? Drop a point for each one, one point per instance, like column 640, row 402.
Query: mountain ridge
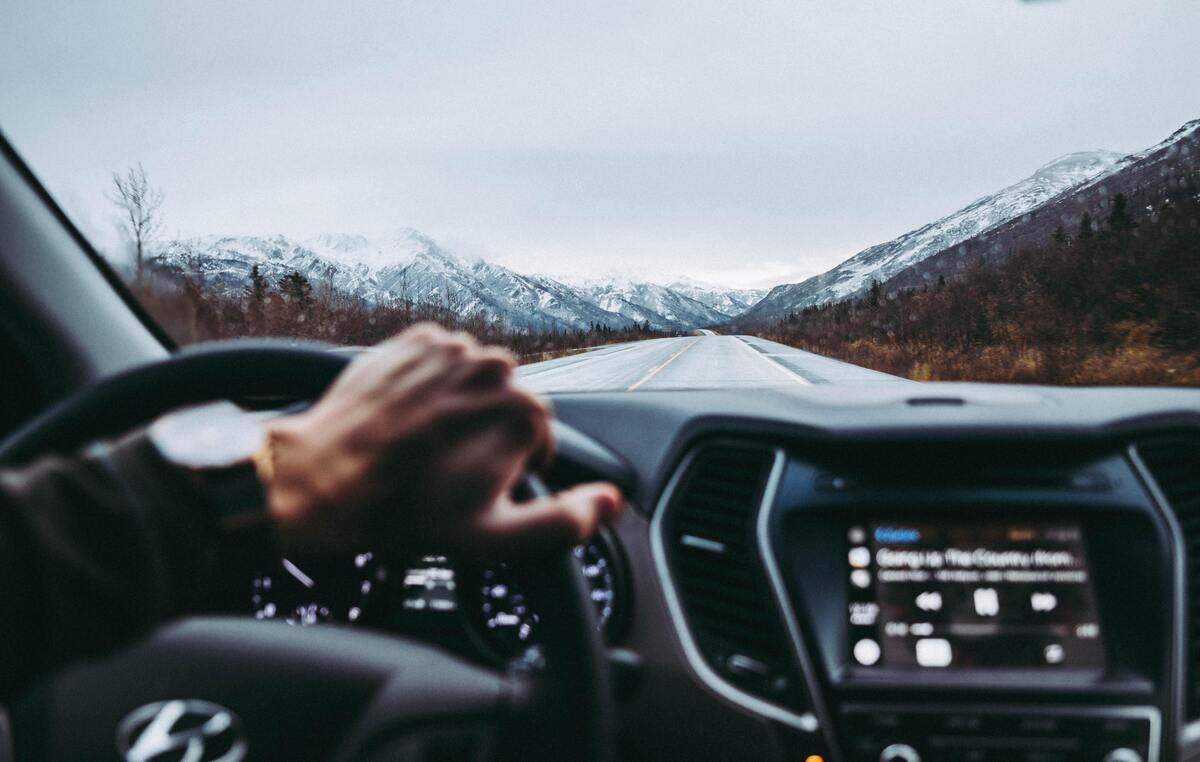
column 883, row 261
column 406, row 264
column 1025, row 213
column 409, row 265
column 1147, row 179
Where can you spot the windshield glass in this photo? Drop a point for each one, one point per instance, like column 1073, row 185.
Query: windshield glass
column 639, row 196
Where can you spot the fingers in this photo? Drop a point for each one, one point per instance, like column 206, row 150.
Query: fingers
column 548, row 523
column 444, row 362
column 483, row 409
column 460, row 383
column 512, row 425
column 464, row 384
column 421, row 333
column 427, row 336
column 542, row 449
column 433, row 421
column 479, row 369
column 370, row 371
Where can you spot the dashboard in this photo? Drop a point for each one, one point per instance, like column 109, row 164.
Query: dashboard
column 958, row 573
column 482, row 611
column 895, row 572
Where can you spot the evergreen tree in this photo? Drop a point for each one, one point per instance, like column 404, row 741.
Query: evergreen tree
column 1060, row 236
column 1119, row 219
column 876, row 297
column 297, row 289
column 1085, row 226
column 258, row 286
column 256, row 294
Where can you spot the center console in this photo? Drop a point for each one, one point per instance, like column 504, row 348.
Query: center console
column 955, row 596
column 1027, row 618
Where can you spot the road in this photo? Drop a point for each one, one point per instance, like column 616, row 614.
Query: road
column 705, row 361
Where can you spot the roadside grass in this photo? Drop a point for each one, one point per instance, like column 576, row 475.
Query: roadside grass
column 919, row 361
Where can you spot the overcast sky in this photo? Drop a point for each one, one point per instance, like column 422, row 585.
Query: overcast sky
column 744, row 143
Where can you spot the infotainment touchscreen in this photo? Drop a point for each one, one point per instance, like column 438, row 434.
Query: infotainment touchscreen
column 955, row 596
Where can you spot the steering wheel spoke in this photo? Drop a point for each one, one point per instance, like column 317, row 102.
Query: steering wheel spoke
column 293, row 692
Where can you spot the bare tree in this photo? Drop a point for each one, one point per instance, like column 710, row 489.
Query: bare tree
column 139, row 203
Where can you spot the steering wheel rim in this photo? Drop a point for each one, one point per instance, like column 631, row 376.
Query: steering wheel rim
column 571, row 699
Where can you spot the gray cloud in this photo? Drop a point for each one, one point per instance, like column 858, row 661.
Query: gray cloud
column 750, row 143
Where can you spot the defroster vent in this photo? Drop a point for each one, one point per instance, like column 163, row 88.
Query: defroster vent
column 712, row 554
column 1174, row 463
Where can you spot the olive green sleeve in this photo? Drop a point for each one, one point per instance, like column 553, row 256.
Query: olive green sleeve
column 95, row 550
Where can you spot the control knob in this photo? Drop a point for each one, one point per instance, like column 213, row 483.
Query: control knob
column 899, row 752
column 1123, row 754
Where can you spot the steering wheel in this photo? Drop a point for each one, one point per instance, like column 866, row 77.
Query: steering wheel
column 279, row 692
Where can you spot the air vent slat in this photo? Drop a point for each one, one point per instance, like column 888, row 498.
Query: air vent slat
column 713, row 512
column 729, row 533
column 735, row 579
column 724, row 595
column 724, row 607
column 1174, row 463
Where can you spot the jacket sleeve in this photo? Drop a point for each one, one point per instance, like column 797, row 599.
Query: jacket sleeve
column 95, row 550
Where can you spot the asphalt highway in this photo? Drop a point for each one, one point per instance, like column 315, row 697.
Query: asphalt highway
column 704, row 361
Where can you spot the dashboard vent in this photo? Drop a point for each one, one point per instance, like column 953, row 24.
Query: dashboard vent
column 709, row 539
column 1174, row 462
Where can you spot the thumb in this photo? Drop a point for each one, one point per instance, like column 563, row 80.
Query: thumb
column 554, row 521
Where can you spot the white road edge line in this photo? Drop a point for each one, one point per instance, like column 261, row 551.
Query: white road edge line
column 656, row 369
column 775, row 364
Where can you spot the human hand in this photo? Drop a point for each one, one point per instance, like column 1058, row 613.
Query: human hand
column 417, row 445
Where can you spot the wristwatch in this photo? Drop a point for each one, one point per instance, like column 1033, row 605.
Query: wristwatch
column 228, row 451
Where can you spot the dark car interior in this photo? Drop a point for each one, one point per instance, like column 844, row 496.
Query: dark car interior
column 894, row 573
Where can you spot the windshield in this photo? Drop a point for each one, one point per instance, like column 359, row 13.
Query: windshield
column 641, row 196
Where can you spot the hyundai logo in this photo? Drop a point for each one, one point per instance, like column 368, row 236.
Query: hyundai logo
column 183, row 729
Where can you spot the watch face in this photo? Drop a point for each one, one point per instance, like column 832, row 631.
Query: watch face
column 217, row 435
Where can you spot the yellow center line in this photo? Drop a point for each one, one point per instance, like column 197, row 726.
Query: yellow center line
column 657, row 368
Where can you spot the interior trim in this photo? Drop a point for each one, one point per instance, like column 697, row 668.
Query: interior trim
column 9, row 152
column 1189, row 733
column 779, row 592
column 73, row 322
column 1136, row 712
column 806, row 722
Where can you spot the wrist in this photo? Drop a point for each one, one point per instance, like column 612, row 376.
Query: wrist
column 214, row 446
column 289, row 479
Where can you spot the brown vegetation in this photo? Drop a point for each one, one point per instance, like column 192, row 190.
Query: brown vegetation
column 192, row 310
column 1118, row 305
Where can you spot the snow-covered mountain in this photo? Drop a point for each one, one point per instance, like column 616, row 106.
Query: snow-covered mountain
column 1161, row 157
column 885, row 260
column 408, row 265
column 1147, row 179
column 647, row 301
column 728, row 301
